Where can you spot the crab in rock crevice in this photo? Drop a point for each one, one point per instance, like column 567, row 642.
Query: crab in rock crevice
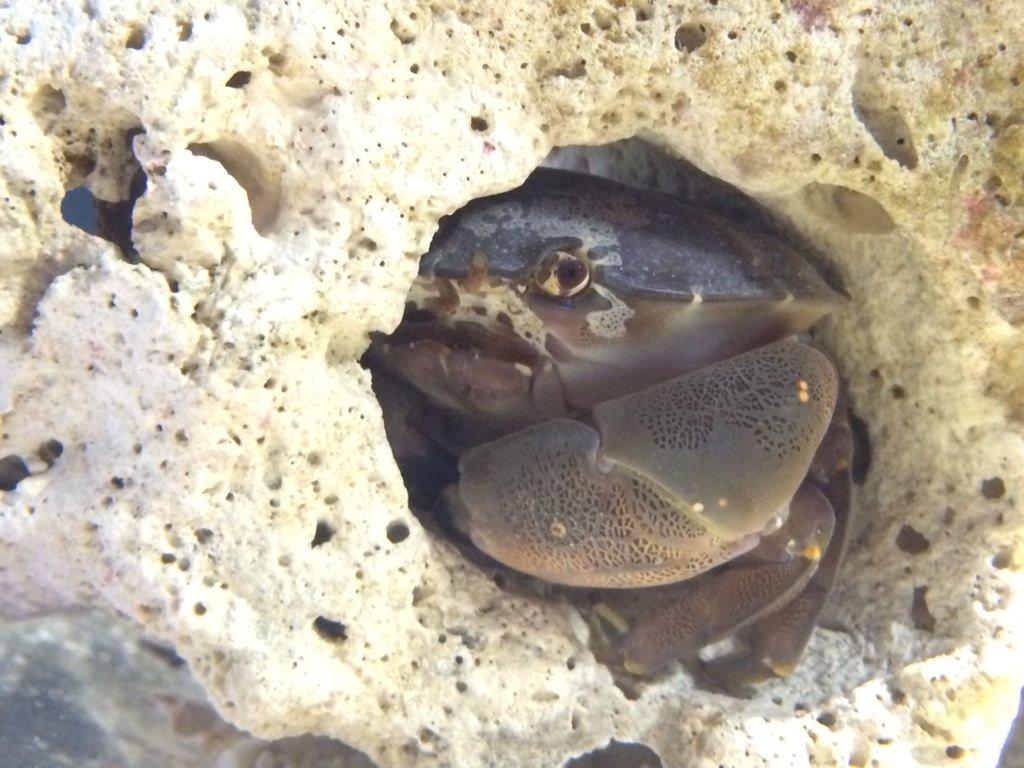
column 610, row 388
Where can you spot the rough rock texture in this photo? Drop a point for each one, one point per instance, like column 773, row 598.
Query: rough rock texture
column 224, row 477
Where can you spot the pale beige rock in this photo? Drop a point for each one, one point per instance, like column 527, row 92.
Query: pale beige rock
column 212, row 411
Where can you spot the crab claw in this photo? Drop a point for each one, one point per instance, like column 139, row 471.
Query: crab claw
column 675, row 480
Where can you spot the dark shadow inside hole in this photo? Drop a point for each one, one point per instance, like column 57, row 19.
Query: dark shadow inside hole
column 12, row 471
column 861, row 463
column 616, row 755
column 329, row 629
column 78, row 208
column 261, row 184
column 323, row 533
column 239, row 80
column 110, row 221
column 690, row 37
column 397, row 532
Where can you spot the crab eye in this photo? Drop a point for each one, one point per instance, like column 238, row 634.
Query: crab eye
column 562, row 274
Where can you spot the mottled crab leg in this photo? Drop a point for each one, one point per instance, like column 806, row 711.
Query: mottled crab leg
column 780, row 568
column 777, row 641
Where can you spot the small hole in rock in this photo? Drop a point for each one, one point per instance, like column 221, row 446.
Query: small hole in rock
column 912, row 541
column 883, row 121
column 261, row 183
column 199, row 609
column 239, row 80
column 79, row 210
column 478, row 124
column 50, row 451
column 690, row 36
column 954, row 752
column 136, row 37
column 852, row 211
column 1003, row 559
column 993, row 488
column 323, row 533
column 203, row 535
column 12, row 471
column 828, row 719
column 23, row 39
column 919, row 612
column 330, row 630
column 397, row 531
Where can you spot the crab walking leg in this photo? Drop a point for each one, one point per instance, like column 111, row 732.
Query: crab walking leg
column 778, row 640
column 733, row 597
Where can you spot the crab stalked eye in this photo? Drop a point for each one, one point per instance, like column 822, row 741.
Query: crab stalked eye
column 563, row 273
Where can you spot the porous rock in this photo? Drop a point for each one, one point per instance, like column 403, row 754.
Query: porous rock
column 224, row 478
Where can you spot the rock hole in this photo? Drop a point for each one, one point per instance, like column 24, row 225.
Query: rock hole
column 993, row 488
column 403, row 30
column 397, row 531
column 828, row 719
column 690, row 36
column 48, row 102
column 203, row 535
column 330, row 630
column 478, row 124
column 1003, row 559
column 883, row 120
column 417, row 431
column 12, row 471
column 184, row 29
column 199, row 609
column 239, row 80
column 50, row 451
column 911, row 541
column 617, row 753
column 23, row 39
column 78, row 208
column 261, row 184
column 111, row 221
column 136, row 37
column 919, row 612
column 954, row 752
column 275, row 62
column 323, row 533
column 603, row 19
column 848, row 209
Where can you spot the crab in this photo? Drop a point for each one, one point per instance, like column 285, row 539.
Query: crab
column 608, row 388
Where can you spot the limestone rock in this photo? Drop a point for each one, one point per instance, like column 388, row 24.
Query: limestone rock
column 224, row 477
